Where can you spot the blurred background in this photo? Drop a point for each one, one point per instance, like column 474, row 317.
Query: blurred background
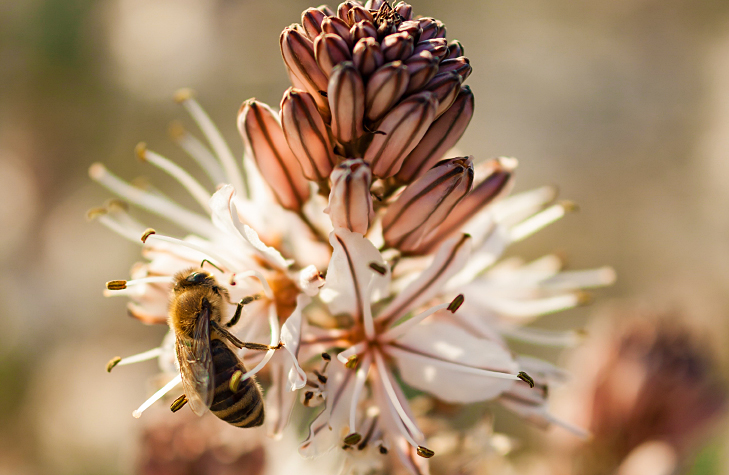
column 622, row 104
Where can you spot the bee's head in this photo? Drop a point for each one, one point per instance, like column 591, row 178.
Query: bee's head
column 193, row 278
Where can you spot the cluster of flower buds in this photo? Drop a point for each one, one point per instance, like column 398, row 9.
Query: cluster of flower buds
column 378, row 99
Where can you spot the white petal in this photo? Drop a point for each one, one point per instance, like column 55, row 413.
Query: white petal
column 279, row 400
column 291, row 338
column 452, row 365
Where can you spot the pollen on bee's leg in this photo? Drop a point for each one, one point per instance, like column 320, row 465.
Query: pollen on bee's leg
column 178, row 403
column 157, row 396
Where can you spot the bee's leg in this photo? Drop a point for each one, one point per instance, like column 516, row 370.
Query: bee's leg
column 239, row 309
column 241, row 344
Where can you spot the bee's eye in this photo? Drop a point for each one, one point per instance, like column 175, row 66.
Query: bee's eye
column 197, row 277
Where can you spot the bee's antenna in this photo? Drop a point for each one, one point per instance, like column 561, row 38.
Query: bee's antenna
column 210, row 262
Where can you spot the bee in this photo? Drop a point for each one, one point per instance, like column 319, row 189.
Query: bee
column 211, row 371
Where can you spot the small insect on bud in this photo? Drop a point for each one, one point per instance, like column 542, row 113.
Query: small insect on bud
column 439, row 138
column 178, row 403
column 298, row 55
column 148, row 232
column 353, row 438
column 526, row 378
column 402, row 128
column 352, row 362
column 330, row 50
column 426, row 203
column 346, row 99
column 384, row 88
column 306, row 134
column 367, row 56
column 425, row 452
column 350, row 201
column 112, row 363
column 116, row 285
column 265, row 140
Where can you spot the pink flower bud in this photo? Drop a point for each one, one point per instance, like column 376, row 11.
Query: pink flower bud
column 460, row 65
column 432, row 28
column 343, row 10
column 306, row 134
column 411, row 27
column 358, row 13
column 426, row 203
column 367, row 56
column 455, row 49
column 440, row 137
column 329, row 51
column 350, row 201
column 347, row 102
column 438, row 47
column 446, row 87
column 384, row 88
column 363, row 29
column 311, row 20
column 399, row 133
column 397, row 46
column 266, row 143
column 404, row 10
column 422, row 68
column 336, row 26
column 298, row 54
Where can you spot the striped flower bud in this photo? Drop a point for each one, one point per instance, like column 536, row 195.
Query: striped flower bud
column 426, row 203
column 446, row 87
column 460, row 65
column 438, row 47
column 306, row 134
column 397, row 46
column 311, row 20
column 329, row 51
column 385, row 88
column 336, row 26
column 455, row 49
column 411, row 27
column 367, row 56
column 347, row 101
column 404, row 10
column 265, row 141
column 298, row 54
column 494, row 179
column 440, row 137
column 343, row 10
column 432, row 28
column 358, row 13
column 422, row 68
column 350, row 201
column 363, row 29
column 399, row 133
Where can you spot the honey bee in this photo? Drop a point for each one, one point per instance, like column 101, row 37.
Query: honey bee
column 211, row 371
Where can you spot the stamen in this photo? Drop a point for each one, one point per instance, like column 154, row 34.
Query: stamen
column 198, row 152
column 189, row 245
column 542, row 337
column 346, row 355
column 401, row 329
column 156, row 204
column 526, row 378
column 116, row 285
column 451, row 366
column 384, row 376
column 197, row 191
column 425, row 452
column 275, row 337
column 352, row 362
column 352, row 438
column 380, row 269
column 359, row 383
column 540, row 220
column 157, row 396
column 138, row 358
column 178, row 403
column 235, row 381
column 253, row 273
column 215, row 138
column 456, row 303
column 369, row 433
column 132, row 234
column 583, row 279
column 123, row 284
column 147, row 233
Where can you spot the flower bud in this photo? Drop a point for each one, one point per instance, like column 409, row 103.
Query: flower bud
column 350, row 201
column 358, row 13
column 399, row 133
column 455, row 49
column 411, row 27
column 347, row 102
column 440, row 137
column 422, row 68
column 306, row 134
column 363, row 29
column 404, row 10
column 432, row 28
column 329, row 51
column 367, row 56
column 460, row 65
column 438, row 47
column 265, row 141
column 336, row 26
column 397, row 46
column 494, row 179
column 384, row 88
column 343, row 10
column 426, row 203
column 311, row 20
column 446, row 87
column 298, row 54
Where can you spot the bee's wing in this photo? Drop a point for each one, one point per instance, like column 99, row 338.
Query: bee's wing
column 196, row 365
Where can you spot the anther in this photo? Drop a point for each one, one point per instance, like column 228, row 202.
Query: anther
column 115, row 204
column 141, row 151
column 383, row 450
column 352, row 362
column 569, row 206
column 584, row 298
column 94, row 213
column 456, row 303
column 326, row 357
column 148, row 233
column 113, row 362
column 176, row 130
column 526, row 378
column 116, row 285
column 178, row 403
column 380, row 269
column 322, row 379
column 425, row 452
column 181, row 95
column 353, row 438
column 324, row 93
column 307, row 397
column 235, row 381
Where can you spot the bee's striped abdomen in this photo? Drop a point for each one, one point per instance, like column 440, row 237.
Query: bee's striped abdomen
column 243, row 408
